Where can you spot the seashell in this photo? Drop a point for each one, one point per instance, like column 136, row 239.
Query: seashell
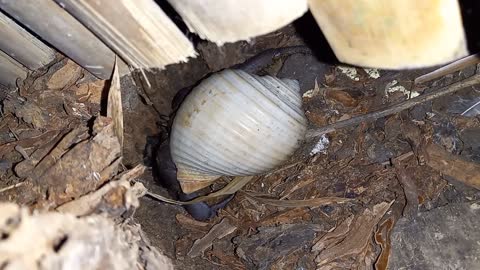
column 236, row 124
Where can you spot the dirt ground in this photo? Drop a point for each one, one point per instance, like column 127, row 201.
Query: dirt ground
column 371, row 176
column 357, row 163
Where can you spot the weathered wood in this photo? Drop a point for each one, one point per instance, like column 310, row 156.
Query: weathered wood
column 61, row 30
column 10, row 70
column 22, row 46
column 462, row 170
column 139, row 31
column 392, row 34
column 232, row 20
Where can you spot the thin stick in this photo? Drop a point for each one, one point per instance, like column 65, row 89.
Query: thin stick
column 14, row 134
column 12, row 187
column 470, row 108
column 450, row 68
column 475, row 79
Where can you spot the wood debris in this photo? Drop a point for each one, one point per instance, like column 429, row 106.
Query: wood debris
column 410, row 190
column 451, row 165
column 298, row 203
column 333, row 236
column 220, row 230
column 269, row 244
column 190, row 222
column 119, row 195
column 65, row 76
column 383, row 238
column 154, row 41
column 114, row 106
column 356, row 240
column 54, row 240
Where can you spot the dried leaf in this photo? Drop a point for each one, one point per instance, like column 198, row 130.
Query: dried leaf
column 382, row 238
column 301, row 184
column 340, row 96
column 315, row 202
column 72, row 137
column 190, row 222
column 32, row 113
column 312, row 92
column 286, row 217
column 218, row 231
column 24, row 168
column 233, row 186
column 91, row 92
column 357, row 238
column 230, row 261
column 334, row 236
column 268, row 245
column 65, row 76
column 66, row 175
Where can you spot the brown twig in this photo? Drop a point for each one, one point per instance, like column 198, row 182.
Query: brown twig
column 14, row 134
column 475, row 79
column 450, row 68
column 12, row 187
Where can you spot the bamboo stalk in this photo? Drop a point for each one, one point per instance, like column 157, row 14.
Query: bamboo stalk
column 139, row 31
column 61, row 30
column 392, row 34
column 233, row 20
column 10, row 70
column 22, row 46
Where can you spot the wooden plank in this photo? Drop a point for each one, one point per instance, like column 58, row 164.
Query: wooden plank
column 61, row 30
column 452, row 165
column 233, row 20
column 10, row 70
column 22, row 46
column 139, row 31
column 392, row 34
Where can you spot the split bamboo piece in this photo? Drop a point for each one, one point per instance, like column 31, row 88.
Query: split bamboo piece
column 139, row 31
column 57, row 27
column 10, row 70
column 392, row 34
column 22, row 46
column 232, row 20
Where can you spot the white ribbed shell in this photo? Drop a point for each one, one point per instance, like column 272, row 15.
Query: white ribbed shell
column 236, row 124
